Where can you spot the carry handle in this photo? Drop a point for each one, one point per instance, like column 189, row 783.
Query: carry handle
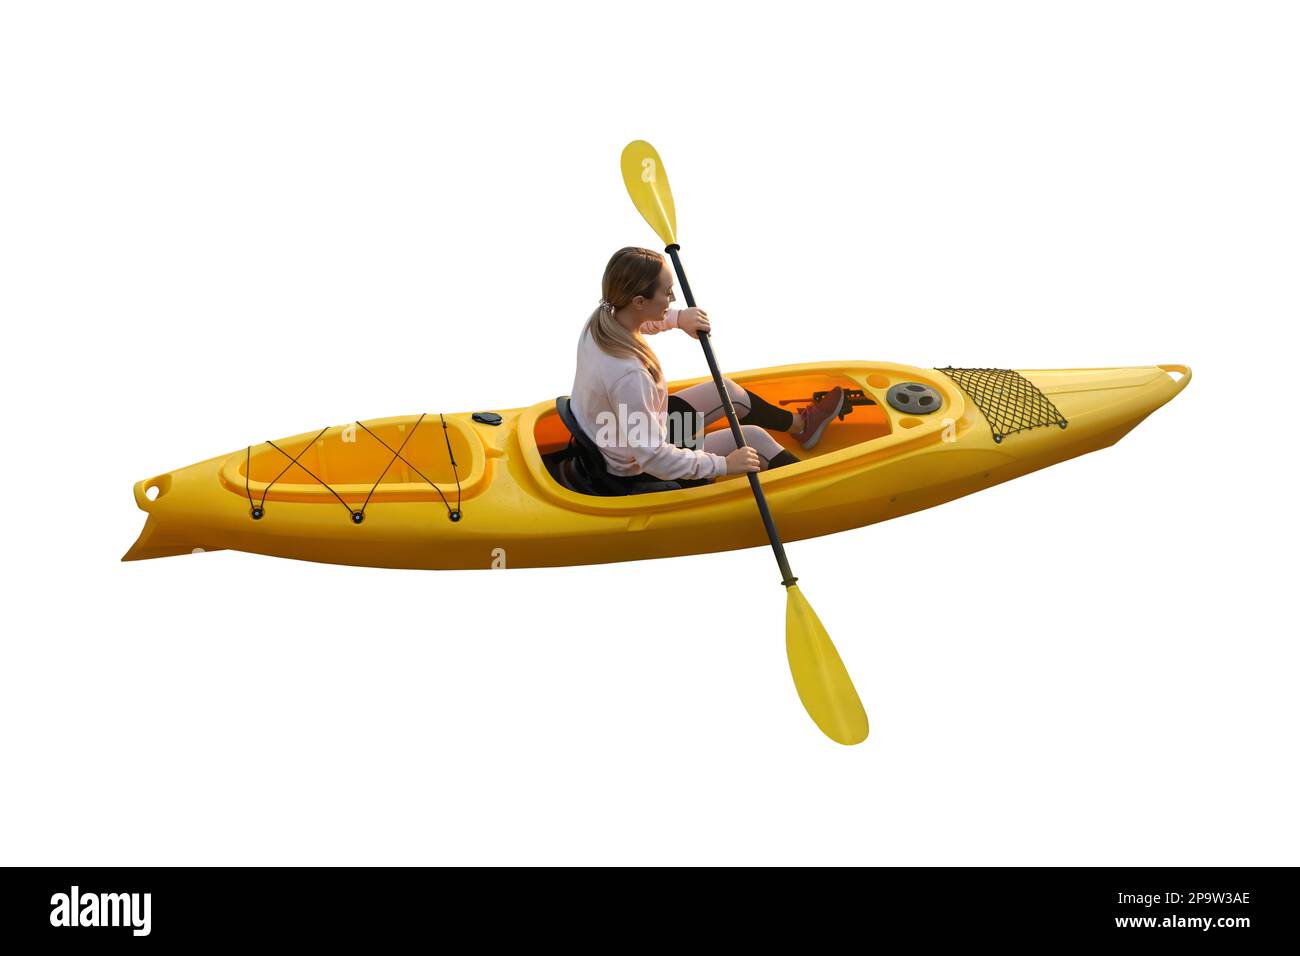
column 142, row 500
column 1181, row 369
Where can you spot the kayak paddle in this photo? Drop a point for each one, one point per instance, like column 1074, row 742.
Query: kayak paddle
column 819, row 675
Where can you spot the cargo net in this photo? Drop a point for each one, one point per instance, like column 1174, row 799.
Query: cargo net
column 1010, row 402
column 258, row 509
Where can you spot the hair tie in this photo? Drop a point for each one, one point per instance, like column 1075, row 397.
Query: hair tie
column 607, row 305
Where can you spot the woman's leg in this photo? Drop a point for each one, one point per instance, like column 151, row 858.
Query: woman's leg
column 769, row 450
column 704, row 400
column 766, row 415
column 750, row 408
column 691, row 409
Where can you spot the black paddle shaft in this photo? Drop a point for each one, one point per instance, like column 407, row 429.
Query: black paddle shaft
column 787, row 576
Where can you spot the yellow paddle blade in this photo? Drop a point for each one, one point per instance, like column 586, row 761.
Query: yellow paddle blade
column 647, row 184
column 819, row 675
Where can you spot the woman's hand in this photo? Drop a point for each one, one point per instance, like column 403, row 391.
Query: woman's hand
column 693, row 322
column 743, row 460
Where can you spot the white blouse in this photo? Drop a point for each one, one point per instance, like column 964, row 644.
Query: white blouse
column 625, row 412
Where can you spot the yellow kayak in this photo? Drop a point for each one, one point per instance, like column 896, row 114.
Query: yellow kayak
column 505, row 488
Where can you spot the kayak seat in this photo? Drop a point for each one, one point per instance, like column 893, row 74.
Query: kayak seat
column 581, row 466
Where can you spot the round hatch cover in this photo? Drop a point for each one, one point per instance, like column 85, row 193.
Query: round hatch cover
column 914, row 398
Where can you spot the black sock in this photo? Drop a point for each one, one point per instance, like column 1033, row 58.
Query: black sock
column 782, row 457
column 766, row 415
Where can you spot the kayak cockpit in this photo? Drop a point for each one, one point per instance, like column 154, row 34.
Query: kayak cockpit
column 862, row 420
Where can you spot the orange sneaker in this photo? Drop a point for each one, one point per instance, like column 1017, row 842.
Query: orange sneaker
column 817, row 417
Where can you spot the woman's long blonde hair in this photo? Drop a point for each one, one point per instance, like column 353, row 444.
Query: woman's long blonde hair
column 632, row 271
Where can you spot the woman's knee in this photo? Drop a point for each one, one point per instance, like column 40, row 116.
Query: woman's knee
column 758, row 439
column 739, row 397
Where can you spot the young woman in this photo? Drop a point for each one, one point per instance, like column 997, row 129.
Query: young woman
column 620, row 400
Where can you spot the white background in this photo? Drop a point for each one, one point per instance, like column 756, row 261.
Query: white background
column 229, row 222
